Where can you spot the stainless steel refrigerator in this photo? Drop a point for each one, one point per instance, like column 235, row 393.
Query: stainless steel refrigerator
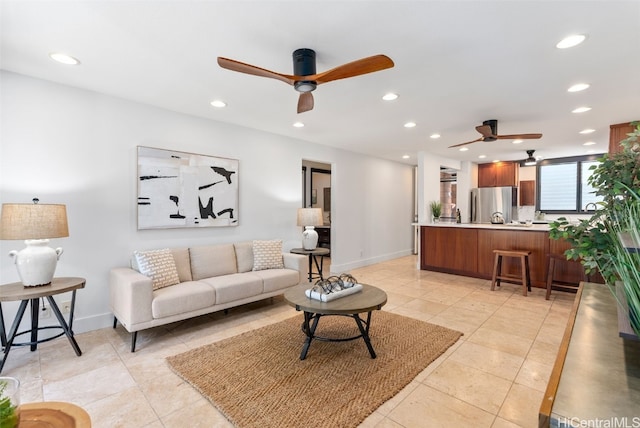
column 485, row 201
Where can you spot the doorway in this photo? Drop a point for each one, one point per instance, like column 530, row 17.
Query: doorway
column 316, row 193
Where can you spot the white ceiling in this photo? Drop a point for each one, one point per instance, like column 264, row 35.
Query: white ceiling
column 457, row 63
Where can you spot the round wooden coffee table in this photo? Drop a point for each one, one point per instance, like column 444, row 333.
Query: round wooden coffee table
column 365, row 301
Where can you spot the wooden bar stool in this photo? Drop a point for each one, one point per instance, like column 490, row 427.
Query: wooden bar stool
column 552, row 261
column 524, row 278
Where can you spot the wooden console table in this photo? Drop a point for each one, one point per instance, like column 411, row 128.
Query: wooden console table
column 596, row 378
column 18, row 292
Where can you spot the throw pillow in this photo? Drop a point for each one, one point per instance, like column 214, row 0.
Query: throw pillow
column 159, row 265
column 267, row 255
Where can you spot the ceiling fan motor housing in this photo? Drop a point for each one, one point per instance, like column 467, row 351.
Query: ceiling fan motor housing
column 493, row 124
column 304, row 64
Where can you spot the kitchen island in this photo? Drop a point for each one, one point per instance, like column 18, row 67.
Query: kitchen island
column 467, row 249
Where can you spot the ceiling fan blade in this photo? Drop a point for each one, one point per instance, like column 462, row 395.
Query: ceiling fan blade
column 233, row 65
column 356, row 68
column 485, row 130
column 468, row 142
column 305, row 102
column 519, row 137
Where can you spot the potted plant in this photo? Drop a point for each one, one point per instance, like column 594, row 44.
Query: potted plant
column 596, row 241
column 9, row 402
column 436, row 210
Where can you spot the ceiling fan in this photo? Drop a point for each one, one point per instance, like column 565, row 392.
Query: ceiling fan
column 489, row 131
column 304, row 78
column 530, row 160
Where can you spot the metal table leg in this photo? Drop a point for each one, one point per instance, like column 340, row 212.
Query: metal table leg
column 13, row 331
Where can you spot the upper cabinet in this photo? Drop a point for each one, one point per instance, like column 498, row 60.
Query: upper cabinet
column 498, row 174
column 617, row 133
column 527, row 192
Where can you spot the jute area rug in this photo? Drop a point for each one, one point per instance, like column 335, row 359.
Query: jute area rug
column 256, row 379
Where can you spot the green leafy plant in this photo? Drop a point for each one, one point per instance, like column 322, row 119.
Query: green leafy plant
column 436, row 208
column 8, row 411
column 615, row 177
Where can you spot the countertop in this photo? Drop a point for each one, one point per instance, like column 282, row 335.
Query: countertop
column 599, row 383
column 522, row 227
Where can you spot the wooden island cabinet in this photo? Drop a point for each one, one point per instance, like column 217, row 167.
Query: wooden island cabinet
column 468, row 250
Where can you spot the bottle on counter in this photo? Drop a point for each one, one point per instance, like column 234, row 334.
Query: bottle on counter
column 458, row 217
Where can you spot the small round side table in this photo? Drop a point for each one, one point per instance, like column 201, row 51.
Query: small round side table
column 313, row 258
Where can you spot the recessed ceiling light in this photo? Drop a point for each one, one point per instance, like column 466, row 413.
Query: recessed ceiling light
column 434, row 136
column 482, row 156
column 406, row 157
column 578, row 87
column 517, row 141
column 589, row 143
column 64, row 58
column 390, row 96
column 298, row 125
column 218, row 103
column 464, row 149
column 410, row 125
column 580, row 109
column 571, row 41
column 587, row 131
column 495, row 160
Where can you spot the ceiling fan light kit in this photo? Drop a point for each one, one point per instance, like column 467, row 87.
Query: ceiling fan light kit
column 305, row 79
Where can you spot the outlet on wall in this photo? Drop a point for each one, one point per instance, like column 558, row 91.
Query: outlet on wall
column 66, row 307
column 45, row 312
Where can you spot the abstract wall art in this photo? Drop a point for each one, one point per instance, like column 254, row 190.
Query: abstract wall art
column 177, row 189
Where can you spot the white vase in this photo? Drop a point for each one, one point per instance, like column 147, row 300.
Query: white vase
column 309, row 238
column 36, row 263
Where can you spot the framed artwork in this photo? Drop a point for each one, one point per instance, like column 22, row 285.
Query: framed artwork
column 178, row 189
column 314, row 196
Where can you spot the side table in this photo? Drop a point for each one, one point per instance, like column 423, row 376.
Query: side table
column 16, row 291
column 313, row 258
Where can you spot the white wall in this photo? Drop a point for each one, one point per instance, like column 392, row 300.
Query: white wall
column 70, row 146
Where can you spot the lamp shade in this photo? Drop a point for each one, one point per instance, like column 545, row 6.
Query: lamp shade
column 310, row 217
column 33, row 221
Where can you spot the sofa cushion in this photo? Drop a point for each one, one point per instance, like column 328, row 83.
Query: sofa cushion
column 158, row 265
column 244, row 256
column 183, row 263
column 278, row 279
column 267, row 255
column 213, row 260
column 235, row 287
column 181, row 298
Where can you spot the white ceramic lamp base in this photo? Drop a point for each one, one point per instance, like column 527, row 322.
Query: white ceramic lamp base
column 37, row 262
column 309, row 238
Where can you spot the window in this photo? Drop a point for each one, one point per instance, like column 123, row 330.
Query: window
column 563, row 185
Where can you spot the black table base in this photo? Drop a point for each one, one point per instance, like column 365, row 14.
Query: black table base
column 311, row 323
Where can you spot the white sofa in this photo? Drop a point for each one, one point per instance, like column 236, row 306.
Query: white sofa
column 210, row 279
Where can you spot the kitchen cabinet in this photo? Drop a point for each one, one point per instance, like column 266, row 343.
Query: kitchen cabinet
column 535, row 241
column 617, row 133
column 498, row 174
column 527, row 190
column 447, row 249
column 468, row 251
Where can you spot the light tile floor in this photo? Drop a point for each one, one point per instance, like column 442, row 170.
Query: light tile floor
column 495, row 376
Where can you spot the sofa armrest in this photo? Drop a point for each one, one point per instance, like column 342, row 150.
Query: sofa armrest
column 297, row 262
column 131, row 294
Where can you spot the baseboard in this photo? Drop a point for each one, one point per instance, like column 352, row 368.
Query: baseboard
column 345, row 267
column 95, row 322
